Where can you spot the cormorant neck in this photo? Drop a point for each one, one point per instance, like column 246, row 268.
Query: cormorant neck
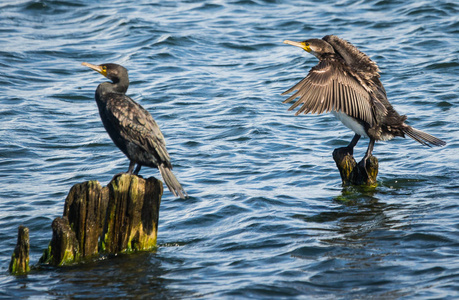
column 116, row 86
column 120, row 85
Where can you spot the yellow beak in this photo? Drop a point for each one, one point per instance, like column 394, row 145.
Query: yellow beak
column 302, row 45
column 99, row 69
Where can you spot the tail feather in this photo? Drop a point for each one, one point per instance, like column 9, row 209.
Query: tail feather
column 172, row 183
column 422, row 137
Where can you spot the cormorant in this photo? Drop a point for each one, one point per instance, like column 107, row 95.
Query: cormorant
column 131, row 127
column 346, row 83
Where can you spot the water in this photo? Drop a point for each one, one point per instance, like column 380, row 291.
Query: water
column 267, row 216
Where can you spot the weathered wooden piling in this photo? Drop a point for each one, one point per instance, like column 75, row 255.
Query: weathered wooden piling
column 353, row 173
column 121, row 217
column 20, row 259
column 132, row 217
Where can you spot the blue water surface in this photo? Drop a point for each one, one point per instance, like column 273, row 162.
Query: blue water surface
column 267, row 217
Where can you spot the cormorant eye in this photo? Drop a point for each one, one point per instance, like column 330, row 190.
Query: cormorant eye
column 104, row 68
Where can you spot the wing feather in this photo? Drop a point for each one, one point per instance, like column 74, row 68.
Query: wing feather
column 138, row 126
column 337, row 106
column 331, row 86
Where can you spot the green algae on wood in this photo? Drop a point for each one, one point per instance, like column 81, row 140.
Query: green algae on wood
column 19, row 264
column 121, row 217
column 132, row 214
column 63, row 248
column 353, row 173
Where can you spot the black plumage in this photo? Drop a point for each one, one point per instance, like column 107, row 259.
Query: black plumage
column 346, row 83
column 131, row 127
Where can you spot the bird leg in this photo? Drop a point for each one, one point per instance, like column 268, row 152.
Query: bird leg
column 347, row 151
column 350, row 171
column 137, row 170
column 368, row 153
column 352, row 144
column 131, row 167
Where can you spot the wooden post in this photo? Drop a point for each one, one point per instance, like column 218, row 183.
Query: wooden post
column 132, row 214
column 85, row 208
column 353, row 173
column 121, row 217
column 63, row 248
column 19, row 264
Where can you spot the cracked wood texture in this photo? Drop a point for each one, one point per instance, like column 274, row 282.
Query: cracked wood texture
column 353, row 173
column 121, row 217
column 20, row 259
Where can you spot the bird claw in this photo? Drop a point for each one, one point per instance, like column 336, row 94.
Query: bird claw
column 364, row 166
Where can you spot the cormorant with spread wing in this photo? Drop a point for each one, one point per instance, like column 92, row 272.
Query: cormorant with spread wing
column 131, row 127
column 346, row 83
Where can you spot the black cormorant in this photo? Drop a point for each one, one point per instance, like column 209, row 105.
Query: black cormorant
column 346, row 83
column 131, row 127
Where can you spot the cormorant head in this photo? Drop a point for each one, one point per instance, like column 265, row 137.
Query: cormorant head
column 316, row 47
column 113, row 72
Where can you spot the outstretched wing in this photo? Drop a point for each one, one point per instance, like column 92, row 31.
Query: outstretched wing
column 330, row 86
column 353, row 57
column 138, row 126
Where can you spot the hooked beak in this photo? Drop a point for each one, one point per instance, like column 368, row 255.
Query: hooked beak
column 99, row 69
column 302, row 45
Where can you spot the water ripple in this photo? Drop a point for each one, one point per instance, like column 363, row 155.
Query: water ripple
column 267, row 216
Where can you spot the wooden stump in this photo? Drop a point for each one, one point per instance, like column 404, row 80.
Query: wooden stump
column 121, row 217
column 132, row 215
column 20, row 259
column 85, row 209
column 63, row 248
column 353, row 173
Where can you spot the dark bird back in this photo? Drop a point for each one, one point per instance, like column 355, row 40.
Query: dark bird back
column 131, row 127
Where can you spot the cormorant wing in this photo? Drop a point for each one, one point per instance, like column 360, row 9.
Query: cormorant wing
column 353, row 57
column 330, row 86
column 138, row 126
